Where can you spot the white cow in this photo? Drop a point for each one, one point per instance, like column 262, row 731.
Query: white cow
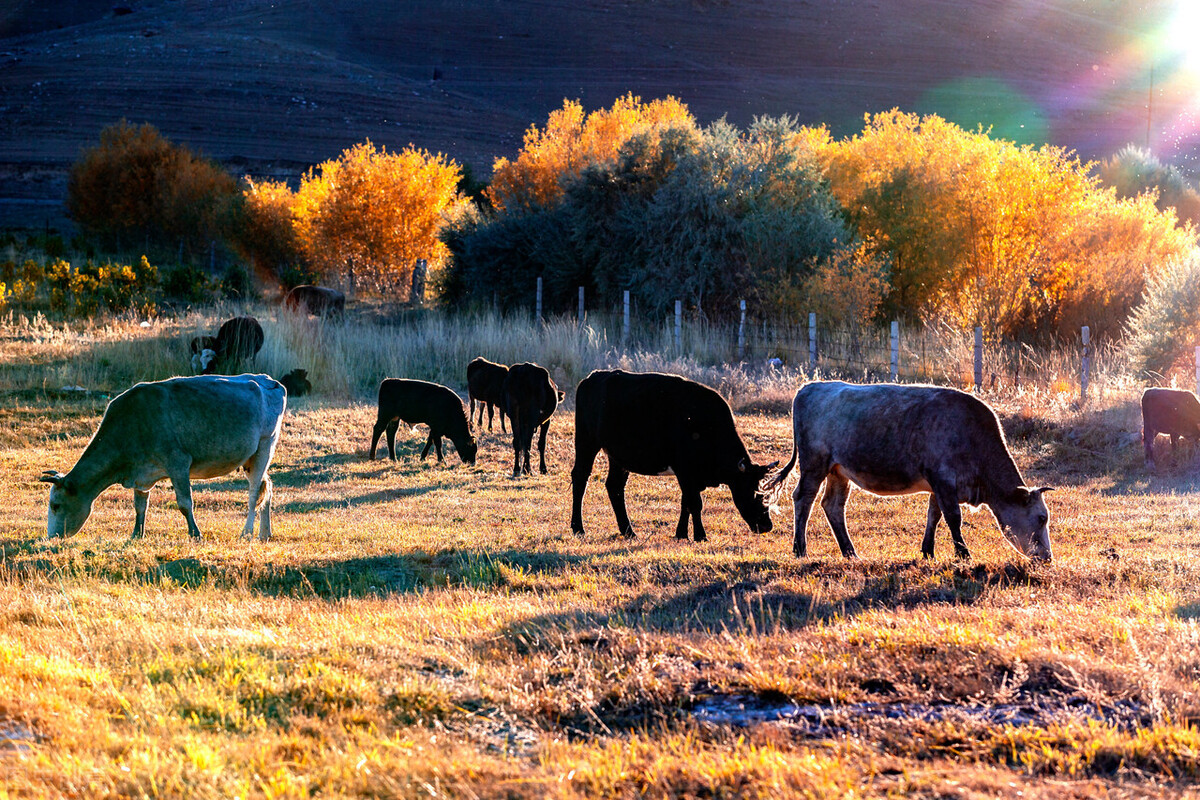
column 183, row 428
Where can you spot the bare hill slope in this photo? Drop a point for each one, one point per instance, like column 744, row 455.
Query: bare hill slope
column 271, row 87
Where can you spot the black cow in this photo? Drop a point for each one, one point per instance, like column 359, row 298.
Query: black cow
column 296, row 382
column 530, row 398
column 1175, row 412
column 891, row 439
column 239, row 339
column 317, row 300
column 485, row 386
column 655, row 424
column 422, row 402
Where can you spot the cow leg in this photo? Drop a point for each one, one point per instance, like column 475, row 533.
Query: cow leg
column 141, row 499
column 260, row 493
column 802, row 500
column 437, row 445
column 615, row 484
column 837, row 489
column 1148, row 443
column 183, row 497
column 931, row 520
column 490, row 412
column 585, row 458
column 693, row 505
column 392, row 427
column 380, row 426
column 500, row 414
column 542, row 445
column 1175, row 449
column 946, row 495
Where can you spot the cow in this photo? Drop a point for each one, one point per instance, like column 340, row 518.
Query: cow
column 316, row 300
column 422, row 402
column 529, row 399
column 655, row 424
column 238, row 340
column 296, row 382
column 1175, row 412
column 202, row 426
column 891, row 440
column 485, row 386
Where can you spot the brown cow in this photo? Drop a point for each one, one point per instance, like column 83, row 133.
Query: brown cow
column 317, row 300
column 1175, row 412
column 891, row 439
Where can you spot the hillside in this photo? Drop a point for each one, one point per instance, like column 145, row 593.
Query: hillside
column 272, row 88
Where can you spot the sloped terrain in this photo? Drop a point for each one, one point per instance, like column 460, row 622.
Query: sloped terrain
column 272, row 88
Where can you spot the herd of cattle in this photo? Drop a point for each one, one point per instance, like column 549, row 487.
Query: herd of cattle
column 888, row 439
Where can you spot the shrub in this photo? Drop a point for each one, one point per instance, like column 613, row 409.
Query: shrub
column 136, row 184
column 1166, row 324
column 187, row 284
column 1133, row 171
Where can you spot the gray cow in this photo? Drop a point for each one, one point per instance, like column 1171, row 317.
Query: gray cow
column 891, row 440
column 183, row 428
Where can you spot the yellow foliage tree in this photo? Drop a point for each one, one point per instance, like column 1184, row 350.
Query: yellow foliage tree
column 570, row 142
column 370, row 214
column 986, row 232
column 268, row 233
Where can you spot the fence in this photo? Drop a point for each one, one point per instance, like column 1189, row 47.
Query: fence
column 933, row 353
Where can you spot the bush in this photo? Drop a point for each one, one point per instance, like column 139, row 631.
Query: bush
column 187, row 284
column 1133, row 171
column 135, row 184
column 1166, row 325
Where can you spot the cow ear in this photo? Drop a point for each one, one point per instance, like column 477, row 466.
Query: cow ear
column 743, row 465
column 51, row 476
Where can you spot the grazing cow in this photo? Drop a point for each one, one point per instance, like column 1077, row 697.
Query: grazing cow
column 316, row 300
column 485, row 386
column 197, row 427
column 655, row 424
column 296, row 382
column 237, row 340
column 529, row 399
column 1175, row 412
column 422, row 402
column 890, row 440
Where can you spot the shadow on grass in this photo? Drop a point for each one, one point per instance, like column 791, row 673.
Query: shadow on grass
column 381, row 496
column 25, row 560
column 769, row 598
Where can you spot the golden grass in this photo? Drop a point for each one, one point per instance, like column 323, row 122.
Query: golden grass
column 419, row 630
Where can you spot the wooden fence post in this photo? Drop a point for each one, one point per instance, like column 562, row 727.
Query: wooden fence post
column 978, row 359
column 742, row 332
column 1085, row 365
column 1198, row 370
column 812, row 342
column 678, row 325
column 540, row 318
column 625, row 320
column 895, row 371
column 580, row 305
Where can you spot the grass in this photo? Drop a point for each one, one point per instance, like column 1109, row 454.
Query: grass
column 420, row 630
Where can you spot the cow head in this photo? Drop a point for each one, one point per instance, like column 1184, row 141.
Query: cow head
column 68, row 508
column 469, row 449
column 748, row 497
column 1024, row 521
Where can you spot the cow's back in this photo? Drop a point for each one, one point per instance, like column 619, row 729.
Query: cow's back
column 418, row 401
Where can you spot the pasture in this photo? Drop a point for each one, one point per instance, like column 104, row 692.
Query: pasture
column 414, row 630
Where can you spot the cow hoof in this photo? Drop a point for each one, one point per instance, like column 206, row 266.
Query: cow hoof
column 578, row 532
column 701, row 538
column 799, row 553
column 962, row 554
column 682, row 536
column 927, row 554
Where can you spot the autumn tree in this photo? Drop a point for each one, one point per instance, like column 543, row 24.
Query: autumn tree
column 136, row 184
column 367, row 216
column 573, row 140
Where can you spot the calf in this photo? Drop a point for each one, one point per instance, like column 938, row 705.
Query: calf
column 239, row 339
column 296, row 382
column 655, row 424
column 183, row 428
column 1175, row 412
column 319, row 301
column 485, row 385
column 529, row 398
column 422, row 402
column 891, row 440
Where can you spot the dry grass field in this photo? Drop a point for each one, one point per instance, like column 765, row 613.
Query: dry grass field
column 424, row 630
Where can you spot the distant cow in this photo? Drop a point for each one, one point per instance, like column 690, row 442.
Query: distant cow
column 529, row 399
column 238, row 340
column 485, row 386
column 655, row 424
column 1175, row 412
column 296, row 382
column 428, row 403
column 183, row 428
column 890, row 440
column 317, row 300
